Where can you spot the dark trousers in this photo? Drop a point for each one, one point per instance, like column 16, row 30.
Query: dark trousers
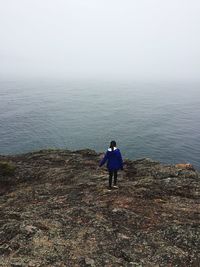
column 111, row 173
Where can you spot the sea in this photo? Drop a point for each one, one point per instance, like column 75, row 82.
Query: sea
column 158, row 120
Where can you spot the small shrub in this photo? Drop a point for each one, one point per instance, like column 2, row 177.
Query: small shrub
column 7, row 168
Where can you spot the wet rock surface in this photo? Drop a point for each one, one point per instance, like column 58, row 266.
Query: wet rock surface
column 55, row 210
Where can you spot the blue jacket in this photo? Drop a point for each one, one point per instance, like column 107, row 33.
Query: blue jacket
column 113, row 159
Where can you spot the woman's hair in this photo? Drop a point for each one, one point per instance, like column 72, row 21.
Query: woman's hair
column 112, row 145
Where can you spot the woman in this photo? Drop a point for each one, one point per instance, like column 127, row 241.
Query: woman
column 114, row 163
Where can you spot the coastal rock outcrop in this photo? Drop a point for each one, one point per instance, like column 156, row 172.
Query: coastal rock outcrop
column 55, row 210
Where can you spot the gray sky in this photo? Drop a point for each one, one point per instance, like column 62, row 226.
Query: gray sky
column 136, row 39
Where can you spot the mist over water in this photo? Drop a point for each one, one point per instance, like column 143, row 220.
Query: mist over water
column 103, row 46
column 156, row 120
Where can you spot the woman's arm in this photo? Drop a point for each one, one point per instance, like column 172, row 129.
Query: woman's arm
column 104, row 159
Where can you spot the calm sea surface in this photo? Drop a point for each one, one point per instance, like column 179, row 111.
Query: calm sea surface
column 160, row 121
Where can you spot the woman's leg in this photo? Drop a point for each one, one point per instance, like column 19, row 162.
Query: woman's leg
column 110, row 178
column 115, row 177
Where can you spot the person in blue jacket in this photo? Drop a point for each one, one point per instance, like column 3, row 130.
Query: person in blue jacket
column 114, row 162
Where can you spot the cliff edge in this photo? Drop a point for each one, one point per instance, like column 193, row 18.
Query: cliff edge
column 55, row 210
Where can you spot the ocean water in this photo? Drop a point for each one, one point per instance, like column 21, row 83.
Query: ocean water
column 156, row 120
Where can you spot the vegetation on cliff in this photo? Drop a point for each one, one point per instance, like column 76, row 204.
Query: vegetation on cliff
column 55, row 210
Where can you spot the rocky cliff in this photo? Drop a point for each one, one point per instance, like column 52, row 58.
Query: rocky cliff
column 55, row 210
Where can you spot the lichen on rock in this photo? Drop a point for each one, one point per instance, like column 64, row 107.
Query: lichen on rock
column 57, row 211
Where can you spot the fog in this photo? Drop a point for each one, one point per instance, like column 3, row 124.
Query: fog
column 132, row 39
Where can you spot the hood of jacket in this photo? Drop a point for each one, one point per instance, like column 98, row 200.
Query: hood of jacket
column 110, row 149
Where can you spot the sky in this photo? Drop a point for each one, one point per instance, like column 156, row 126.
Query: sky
column 127, row 39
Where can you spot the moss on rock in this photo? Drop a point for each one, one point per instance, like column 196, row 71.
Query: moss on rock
column 7, row 168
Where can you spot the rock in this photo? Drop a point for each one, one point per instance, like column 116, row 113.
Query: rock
column 4, row 249
column 17, row 264
column 89, row 262
column 57, row 212
column 29, row 230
